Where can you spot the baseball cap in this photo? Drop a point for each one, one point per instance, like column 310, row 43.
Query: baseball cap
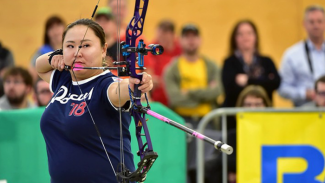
column 104, row 11
column 190, row 28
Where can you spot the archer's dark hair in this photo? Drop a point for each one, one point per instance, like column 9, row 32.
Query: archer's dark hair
column 19, row 71
column 167, row 25
column 49, row 23
column 98, row 30
column 233, row 43
column 319, row 80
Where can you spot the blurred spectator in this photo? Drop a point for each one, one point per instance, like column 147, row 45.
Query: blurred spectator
column 18, row 84
column 304, row 62
column 52, row 40
column 104, row 18
column 165, row 36
column 193, row 80
column 246, row 65
column 319, row 100
column 42, row 92
column 119, row 10
column 6, row 60
column 253, row 96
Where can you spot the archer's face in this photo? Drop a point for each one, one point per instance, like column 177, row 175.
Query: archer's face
column 90, row 54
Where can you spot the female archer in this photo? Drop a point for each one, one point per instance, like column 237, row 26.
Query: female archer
column 82, row 99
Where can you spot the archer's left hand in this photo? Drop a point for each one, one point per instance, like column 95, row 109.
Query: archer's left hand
column 146, row 83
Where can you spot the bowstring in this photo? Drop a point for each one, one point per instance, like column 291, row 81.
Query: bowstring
column 91, row 116
column 118, row 22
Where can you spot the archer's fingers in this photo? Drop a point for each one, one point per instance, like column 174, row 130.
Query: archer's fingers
column 134, row 80
column 146, row 82
column 57, row 62
column 146, row 78
column 146, row 87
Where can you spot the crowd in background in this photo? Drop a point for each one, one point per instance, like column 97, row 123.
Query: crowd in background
column 186, row 81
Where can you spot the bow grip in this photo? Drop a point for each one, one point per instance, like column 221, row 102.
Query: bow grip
column 137, row 92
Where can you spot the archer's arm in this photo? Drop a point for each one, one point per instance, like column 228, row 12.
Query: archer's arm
column 114, row 92
column 43, row 67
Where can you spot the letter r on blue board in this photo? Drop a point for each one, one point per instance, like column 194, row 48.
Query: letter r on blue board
column 313, row 156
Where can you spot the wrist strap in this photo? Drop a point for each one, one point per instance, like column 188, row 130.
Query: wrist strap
column 56, row 52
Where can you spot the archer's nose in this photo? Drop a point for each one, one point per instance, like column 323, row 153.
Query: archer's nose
column 78, row 52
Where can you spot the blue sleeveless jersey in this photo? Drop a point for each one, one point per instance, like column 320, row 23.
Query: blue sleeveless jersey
column 75, row 153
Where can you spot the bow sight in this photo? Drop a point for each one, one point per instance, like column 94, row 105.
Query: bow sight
column 141, row 50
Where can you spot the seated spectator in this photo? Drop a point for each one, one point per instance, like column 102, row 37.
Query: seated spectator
column 6, row 60
column 246, row 65
column 42, row 93
column 319, row 100
column 303, row 63
column 253, row 96
column 193, row 80
column 165, row 36
column 120, row 10
column 54, row 28
column 18, row 84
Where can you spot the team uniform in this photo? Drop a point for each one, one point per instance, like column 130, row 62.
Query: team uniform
column 75, row 153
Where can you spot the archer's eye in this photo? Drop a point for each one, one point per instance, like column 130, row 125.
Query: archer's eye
column 86, row 45
column 70, row 46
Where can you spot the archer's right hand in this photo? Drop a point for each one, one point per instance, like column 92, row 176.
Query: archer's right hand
column 57, row 62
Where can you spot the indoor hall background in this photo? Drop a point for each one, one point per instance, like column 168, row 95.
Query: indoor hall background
column 279, row 23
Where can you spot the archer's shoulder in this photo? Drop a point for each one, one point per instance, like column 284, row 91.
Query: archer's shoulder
column 108, row 76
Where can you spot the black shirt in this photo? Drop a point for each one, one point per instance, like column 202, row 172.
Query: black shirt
column 267, row 76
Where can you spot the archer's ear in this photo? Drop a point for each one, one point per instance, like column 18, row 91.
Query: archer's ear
column 104, row 50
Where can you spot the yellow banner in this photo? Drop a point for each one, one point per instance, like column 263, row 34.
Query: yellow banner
column 281, row 147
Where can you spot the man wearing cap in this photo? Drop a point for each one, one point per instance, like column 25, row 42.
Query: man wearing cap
column 105, row 19
column 192, row 81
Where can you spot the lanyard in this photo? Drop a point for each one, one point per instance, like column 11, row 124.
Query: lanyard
column 308, row 57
